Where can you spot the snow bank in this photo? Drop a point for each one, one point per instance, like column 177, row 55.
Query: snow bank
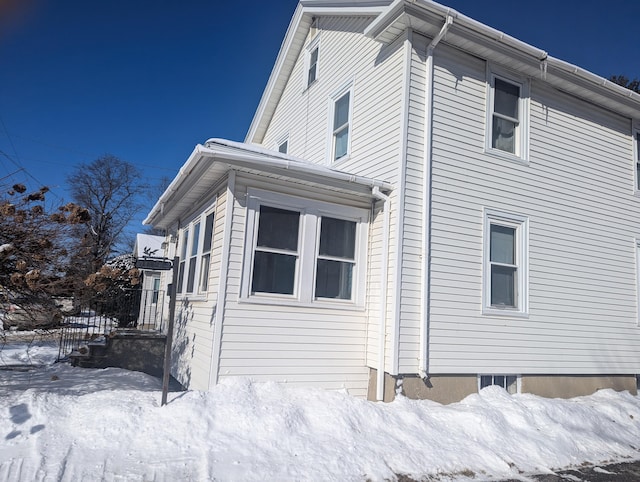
column 79, row 424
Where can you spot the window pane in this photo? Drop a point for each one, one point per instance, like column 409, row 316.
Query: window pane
column 503, row 135
column 638, row 175
column 194, row 241
column 499, row 380
column 334, row 279
column 283, row 147
column 512, row 384
column 192, row 275
column 278, row 228
column 503, row 282
column 156, row 290
column 313, row 65
column 502, row 244
column 180, row 277
column 337, row 238
column 342, row 142
column 204, row 273
column 208, row 233
column 185, row 243
column 273, row 273
column 341, row 112
column 506, row 98
column 485, row 381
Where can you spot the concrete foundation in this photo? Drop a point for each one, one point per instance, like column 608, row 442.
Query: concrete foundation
column 453, row 388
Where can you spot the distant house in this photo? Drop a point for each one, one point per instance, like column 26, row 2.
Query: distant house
column 423, row 205
column 152, row 299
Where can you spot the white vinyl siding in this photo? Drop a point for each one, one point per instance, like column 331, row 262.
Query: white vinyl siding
column 582, row 289
column 320, row 345
column 193, row 337
column 377, row 73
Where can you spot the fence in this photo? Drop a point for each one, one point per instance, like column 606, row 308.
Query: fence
column 134, row 309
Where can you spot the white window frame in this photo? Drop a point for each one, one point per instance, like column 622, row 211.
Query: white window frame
column 636, row 156
column 333, row 99
column 518, row 381
column 521, row 226
column 311, row 211
column 185, row 246
column 313, row 46
column 280, row 141
column 522, row 130
column 203, row 273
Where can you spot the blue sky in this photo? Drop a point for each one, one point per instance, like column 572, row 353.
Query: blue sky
column 147, row 80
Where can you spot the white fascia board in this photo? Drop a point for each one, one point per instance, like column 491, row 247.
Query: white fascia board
column 559, row 71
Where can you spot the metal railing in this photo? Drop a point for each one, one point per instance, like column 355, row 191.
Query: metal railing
column 96, row 319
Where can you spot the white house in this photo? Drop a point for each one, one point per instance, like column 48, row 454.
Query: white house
column 422, row 204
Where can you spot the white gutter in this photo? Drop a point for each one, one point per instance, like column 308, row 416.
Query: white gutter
column 384, row 280
column 425, row 290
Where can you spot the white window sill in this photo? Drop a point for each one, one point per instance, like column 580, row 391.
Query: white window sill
column 506, row 156
column 345, row 305
column 511, row 313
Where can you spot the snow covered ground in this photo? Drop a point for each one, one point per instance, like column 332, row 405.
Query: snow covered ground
column 69, row 424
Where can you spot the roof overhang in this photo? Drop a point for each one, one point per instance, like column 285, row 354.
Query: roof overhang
column 427, row 17
column 209, row 164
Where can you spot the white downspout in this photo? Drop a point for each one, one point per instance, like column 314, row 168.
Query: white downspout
column 384, row 279
column 423, row 367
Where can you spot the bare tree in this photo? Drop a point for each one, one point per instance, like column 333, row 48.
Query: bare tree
column 624, row 81
column 112, row 190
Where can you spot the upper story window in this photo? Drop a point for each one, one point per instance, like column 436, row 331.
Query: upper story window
column 506, row 264
column 340, row 116
column 507, row 116
column 195, row 255
column 312, row 63
column 300, row 250
column 636, row 156
column 283, row 146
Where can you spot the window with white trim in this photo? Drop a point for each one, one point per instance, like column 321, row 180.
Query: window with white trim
column 283, row 146
column 508, row 382
column 301, row 250
column 205, row 257
column 506, row 263
column 636, row 156
column 312, row 62
column 340, row 115
column 507, row 119
column 195, row 255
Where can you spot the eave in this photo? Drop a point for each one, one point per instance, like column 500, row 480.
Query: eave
column 426, row 17
column 209, row 164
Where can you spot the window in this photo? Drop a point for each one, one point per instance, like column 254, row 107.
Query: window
column 312, row 71
column 340, row 126
column 508, row 382
column 636, row 157
column 195, row 255
column 336, row 258
column 183, row 259
column 156, row 290
column 507, row 116
column 304, row 251
column 276, row 253
column 283, row 145
column 505, row 253
column 206, row 254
